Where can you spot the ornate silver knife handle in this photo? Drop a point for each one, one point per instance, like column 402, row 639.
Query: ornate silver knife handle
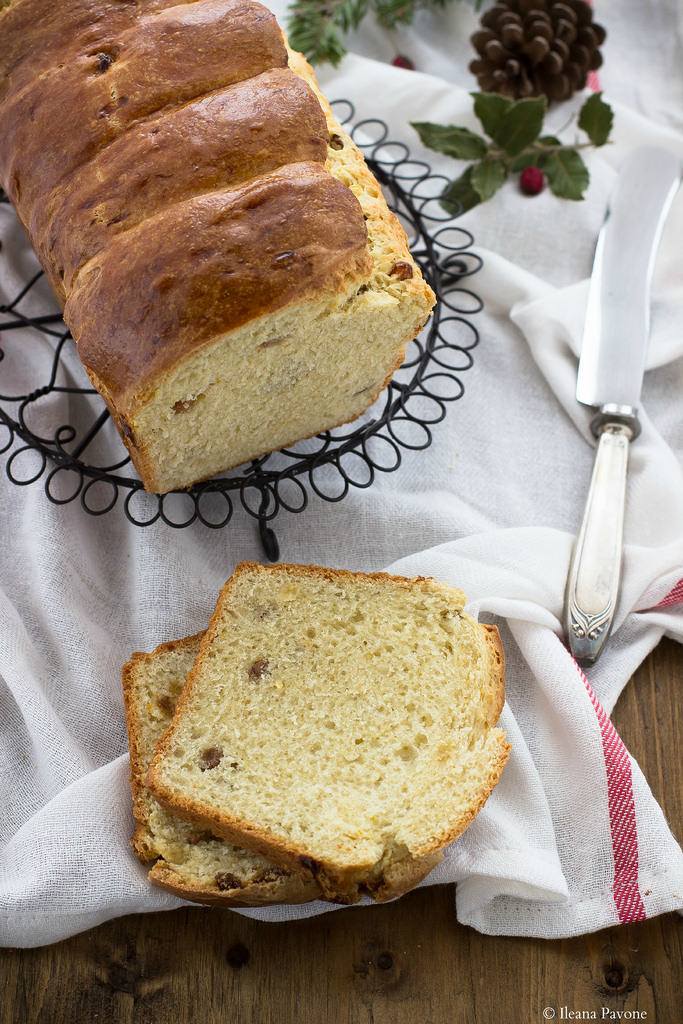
column 595, row 569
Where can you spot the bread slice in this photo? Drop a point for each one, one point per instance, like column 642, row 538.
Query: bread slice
column 184, row 860
column 341, row 725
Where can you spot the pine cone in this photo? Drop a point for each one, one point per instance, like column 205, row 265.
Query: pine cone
column 536, row 47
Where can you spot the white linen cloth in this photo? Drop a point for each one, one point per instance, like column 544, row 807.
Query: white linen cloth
column 572, row 839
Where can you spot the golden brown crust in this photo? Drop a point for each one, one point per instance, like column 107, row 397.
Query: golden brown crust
column 228, row 137
column 497, row 655
column 402, row 877
column 346, row 162
column 385, row 883
column 160, row 61
column 273, row 887
column 429, row 583
column 228, row 257
column 55, row 38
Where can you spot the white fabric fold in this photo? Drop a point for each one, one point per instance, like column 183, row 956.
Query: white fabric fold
column 572, row 839
column 65, row 894
column 557, row 727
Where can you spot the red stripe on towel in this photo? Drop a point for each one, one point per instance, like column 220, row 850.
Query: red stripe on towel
column 622, row 817
column 675, row 596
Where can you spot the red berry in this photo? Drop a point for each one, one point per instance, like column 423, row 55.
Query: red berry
column 531, row 180
column 401, row 61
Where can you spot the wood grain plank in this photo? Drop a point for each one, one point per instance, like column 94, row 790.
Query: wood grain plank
column 405, row 963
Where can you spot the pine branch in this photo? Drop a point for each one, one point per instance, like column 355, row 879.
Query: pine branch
column 316, row 27
column 391, row 13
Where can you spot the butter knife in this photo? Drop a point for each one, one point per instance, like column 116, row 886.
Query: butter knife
column 610, row 377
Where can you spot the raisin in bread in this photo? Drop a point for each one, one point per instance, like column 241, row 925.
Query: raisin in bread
column 189, row 862
column 224, row 258
column 341, row 725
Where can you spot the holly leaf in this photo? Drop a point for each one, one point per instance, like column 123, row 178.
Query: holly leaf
column 461, row 196
column 596, row 119
column 487, row 177
column 512, row 124
column 460, row 143
column 536, row 157
column 491, row 108
column 521, row 125
column 567, row 174
column 533, row 159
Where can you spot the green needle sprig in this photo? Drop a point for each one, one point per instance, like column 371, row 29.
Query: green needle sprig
column 316, row 27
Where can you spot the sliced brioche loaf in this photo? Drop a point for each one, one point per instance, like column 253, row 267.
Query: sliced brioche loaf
column 184, row 860
column 342, row 725
column 225, row 260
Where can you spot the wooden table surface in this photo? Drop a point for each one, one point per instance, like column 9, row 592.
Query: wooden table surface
column 409, row 962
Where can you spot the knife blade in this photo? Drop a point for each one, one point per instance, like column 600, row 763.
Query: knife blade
column 610, row 377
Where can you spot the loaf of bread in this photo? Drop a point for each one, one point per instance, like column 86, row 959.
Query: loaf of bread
column 341, row 725
column 189, row 862
column 225, row 260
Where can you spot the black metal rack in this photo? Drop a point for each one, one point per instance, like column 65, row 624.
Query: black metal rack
column 81, row 456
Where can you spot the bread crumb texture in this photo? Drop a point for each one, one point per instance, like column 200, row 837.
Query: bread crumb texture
column 341, row 725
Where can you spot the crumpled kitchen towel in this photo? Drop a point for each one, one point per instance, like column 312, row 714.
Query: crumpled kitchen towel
column 572, row 838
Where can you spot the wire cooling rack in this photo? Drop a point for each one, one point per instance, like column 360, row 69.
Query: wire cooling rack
column 59, row 431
